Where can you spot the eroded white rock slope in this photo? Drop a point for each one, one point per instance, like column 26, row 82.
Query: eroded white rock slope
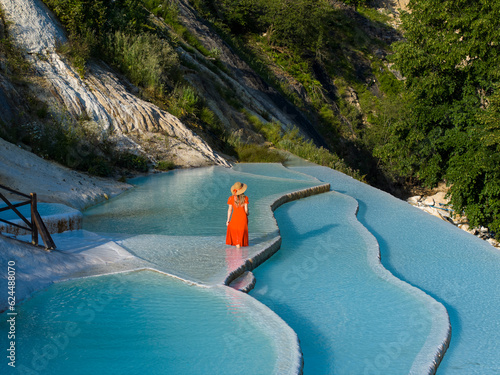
column 100, row 95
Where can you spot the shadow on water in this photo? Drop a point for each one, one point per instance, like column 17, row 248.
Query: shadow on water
column 314, row 343
column 292, row 231
column 261, row 238
column 385, row 259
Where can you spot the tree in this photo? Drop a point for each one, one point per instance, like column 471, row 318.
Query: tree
column 450, row 58
column 474, row 169
column 241, row 16
column 297, row 23
column 355, row 3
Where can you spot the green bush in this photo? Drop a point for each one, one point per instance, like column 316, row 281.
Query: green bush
column 131, row 161
column 165, row 165
column 183, row 100
column 99, row 166
column 252, row 153
column 163, row 8
column 147, row 60
column 293, row 142
column 85, row 21
column 118, row 31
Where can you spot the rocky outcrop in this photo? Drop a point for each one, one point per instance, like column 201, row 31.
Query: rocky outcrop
column 239, row 81
column 439, row 205
column 25, row 172
column 393, row 9
column 101, row 95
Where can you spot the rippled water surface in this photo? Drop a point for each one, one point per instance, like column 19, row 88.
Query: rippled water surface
column 140, row 323
column 190, row 202
column 454, row 267
column 351, row 316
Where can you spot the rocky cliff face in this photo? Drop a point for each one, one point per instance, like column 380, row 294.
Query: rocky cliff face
column 101, row 95
column 254, row 94
column 109, row 100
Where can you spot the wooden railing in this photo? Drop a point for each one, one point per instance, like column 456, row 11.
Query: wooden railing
column 35, row 225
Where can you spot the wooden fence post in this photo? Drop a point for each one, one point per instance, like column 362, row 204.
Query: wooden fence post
column 34, row 229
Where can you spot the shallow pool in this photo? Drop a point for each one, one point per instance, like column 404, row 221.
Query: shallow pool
column 146, row 322
column 177, row 220
column 351, row 315
column 363, row 312
column 454, row 267
column 192, row 202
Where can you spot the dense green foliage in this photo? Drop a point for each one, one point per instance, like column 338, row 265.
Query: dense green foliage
column 147, row 61
column 165, row 165
column 252, row 153
column 314, row 52
column 118, row 31
column 80, row 145
column 440, row 123
column 292, row 141
column 449, row 129
column 474, row 168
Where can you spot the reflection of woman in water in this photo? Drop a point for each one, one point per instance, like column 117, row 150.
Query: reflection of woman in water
column 237, row 216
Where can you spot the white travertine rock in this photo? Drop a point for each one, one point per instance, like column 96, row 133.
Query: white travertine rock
column 429, row 201
column 33, row 26
column 25, row 172
column 101, row 95
column 414, row 200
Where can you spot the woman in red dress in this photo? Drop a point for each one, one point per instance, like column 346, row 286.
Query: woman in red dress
column 237, row 216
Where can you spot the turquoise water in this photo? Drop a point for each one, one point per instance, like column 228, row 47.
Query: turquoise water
column 272, row 170
column 454, row 267
column 190, row 202
column 352, row 335
column 45, row 209
column 141, row 323
column 177, row 220
column 352, row 317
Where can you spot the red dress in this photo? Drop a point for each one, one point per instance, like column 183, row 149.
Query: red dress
column 237, row 229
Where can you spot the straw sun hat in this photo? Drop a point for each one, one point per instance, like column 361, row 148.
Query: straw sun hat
column 238, row 188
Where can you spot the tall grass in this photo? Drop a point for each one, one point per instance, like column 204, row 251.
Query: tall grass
column 183, row 100
column 147, row 60
column 290, row 140
column 253, row 153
